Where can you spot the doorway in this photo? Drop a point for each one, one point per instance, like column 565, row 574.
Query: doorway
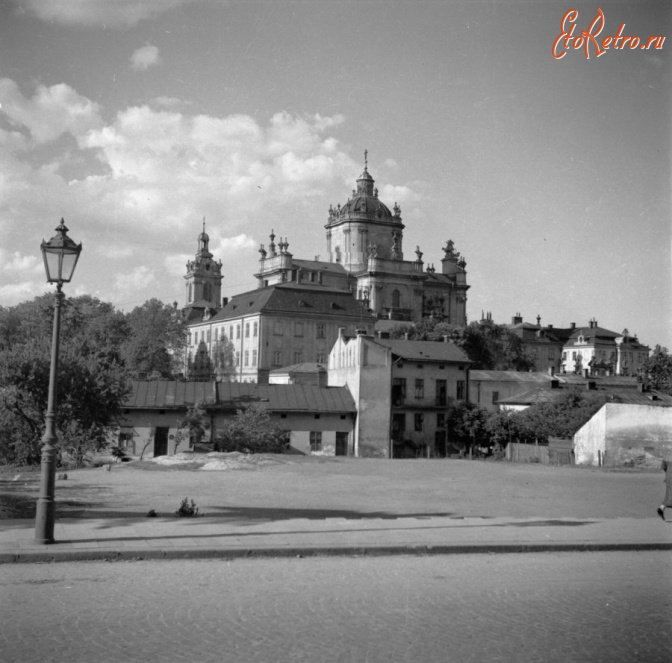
column 161, row 442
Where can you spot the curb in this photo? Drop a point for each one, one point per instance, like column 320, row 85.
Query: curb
column 40, row 557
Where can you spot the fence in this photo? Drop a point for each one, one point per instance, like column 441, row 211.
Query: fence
column 558, row 452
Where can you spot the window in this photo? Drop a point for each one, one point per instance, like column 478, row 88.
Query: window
column 321, row 358
column 315, row 440
column 277, row 328
column 398, row 391
column 395, row 299
column 551, row 353
column 495, row 397
column 441, row 391
column 419, row 422
column 189, row 338
column 255, row 329
column 460, row 389
column 237, row 358
column 254, row 357
column 440, row 419
column 247, row 330
column 321, row 331
column 298, row 329
column 208, row 335
column 247, row 357
column 298, row 357
column 237, row 331
column 126, row 442
column 419, row 388
column 277, row 358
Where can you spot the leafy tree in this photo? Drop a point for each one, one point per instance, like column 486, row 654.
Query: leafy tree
column 466, row 423
column 156, row 342
column 489, row 346
column 561, row 418
column 194, row 426
column 252, row 431
column 92, row 382
column 658, row 370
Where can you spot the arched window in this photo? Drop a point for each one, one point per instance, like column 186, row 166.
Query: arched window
column 207, row 291
column 395, row 299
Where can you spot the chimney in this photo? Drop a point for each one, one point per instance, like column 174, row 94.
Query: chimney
column 555, row 384
column 572, row 325
column 586, row 372
column 225, row 301
column 516, row 319
column 407, row 336
column 360, row 332
column 549, row 326
column 591, row 385
column 446, row 339
column 551, row 371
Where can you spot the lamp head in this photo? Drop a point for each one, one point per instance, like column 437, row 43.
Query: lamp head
column 60, row 255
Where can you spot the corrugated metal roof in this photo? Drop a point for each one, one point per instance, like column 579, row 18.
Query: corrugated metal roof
column 424, row 350
column 621, row 395
column 232, row 395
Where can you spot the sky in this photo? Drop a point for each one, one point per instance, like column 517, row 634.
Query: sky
column 134, row 120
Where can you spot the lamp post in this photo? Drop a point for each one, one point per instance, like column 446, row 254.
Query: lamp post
column 60, row 255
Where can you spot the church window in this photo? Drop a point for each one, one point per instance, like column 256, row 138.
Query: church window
column 207, row 291
column 190, row 292
column 395, row 299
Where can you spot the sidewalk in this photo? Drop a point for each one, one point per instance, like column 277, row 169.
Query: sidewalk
column 212, row 537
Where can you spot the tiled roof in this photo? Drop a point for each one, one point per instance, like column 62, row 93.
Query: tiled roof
column 294, row 298
column 509, row 376
column 424, row 350
column 320, row 266
column 167, row 394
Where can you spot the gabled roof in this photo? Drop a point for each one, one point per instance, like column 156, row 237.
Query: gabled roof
column 424, row 350
column 294, row 298
column 305, row 367
column 165, row 394
column 171, row 394
column 510, row 376
column 287, row 397
column 620, row 395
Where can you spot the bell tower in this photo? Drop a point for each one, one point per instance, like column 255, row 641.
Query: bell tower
column 204, row 276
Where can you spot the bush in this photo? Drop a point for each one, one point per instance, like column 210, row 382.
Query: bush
column 252, row 431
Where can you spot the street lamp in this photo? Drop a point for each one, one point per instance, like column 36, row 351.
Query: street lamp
column 60, row 258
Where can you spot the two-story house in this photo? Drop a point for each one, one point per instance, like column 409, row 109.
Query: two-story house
column 403, row 390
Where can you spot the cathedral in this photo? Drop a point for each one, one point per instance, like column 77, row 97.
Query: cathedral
column 365, row 281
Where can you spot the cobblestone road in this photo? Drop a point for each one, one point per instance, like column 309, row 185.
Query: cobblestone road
column 564, row 607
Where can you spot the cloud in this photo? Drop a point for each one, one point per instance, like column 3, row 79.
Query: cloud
column 50, row 112
column 145, row 57
column 134, row 189
column 98, row 13
column 134, row 281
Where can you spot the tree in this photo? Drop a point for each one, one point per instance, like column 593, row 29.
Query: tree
column 92, row 381
column 466, row 423
column 488, row 346
column 156, row 342
column 194, row 426
column 252, row 431
column 561, row 418
column 658, row 370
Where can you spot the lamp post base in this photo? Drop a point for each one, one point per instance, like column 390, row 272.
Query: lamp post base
column 45, row 513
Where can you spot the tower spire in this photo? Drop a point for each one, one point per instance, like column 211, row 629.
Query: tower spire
column 366, row 159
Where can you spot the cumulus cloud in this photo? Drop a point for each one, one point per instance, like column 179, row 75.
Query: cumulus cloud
column 50, row 112
column 158, row 172
column 134, row 281
column 94, row 13
column 145, row 57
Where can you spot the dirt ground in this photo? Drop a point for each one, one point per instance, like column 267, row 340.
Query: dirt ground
column 272, row 487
